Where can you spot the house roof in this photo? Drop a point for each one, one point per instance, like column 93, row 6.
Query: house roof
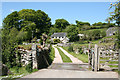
column 80, row 34
column 59, row 35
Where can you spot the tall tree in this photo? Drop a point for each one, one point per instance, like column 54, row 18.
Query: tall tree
column 61, row 24
column 18, row 26
column 9, row 42
column 26, row 18
column 72, row 33
column 12, row 20
column 82, row 25
column 115, row 15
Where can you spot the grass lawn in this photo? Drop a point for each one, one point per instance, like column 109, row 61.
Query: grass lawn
column 82, row 57
column 65, row 58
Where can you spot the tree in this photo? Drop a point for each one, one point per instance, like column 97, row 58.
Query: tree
column 9, row 42
column 103, row 34
column 12, row 20
column 53, row 30
column 43, row 22
column 61, row 24
column 72, row 33
column 83, row 25
column 18, row 27
column 96, row 34
column 97, row 24
column 21, row 37
column 28, row 20
column 29, row 28
column 115, row 15
column 80, row 23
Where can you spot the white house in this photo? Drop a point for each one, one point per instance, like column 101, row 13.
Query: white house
column 61, row 36
column 81, row 36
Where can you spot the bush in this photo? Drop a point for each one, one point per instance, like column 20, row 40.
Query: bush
column 72, row 33
column 70, row 48
column 80, row 50
column 103, row 34
column 51, row 55
column 56, row 41
column 29, row 67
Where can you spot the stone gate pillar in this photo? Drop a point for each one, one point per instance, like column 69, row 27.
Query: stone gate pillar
column 34, row 59
column 95, row 57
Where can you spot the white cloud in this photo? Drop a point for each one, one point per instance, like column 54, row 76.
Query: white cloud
column 11, row 10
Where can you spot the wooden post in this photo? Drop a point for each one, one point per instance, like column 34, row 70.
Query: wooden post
column 98, row 59
column 95, row 60
column 119, row 65
column 89, row 56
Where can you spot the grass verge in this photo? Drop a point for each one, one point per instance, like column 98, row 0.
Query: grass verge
column 51, row 55
column 65, row 58
column 17, row 73
column 82, row 57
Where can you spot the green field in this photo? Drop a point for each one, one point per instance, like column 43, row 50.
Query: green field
column 93, row 42
column 102, row 29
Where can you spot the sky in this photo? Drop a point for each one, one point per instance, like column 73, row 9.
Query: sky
column 71, row 11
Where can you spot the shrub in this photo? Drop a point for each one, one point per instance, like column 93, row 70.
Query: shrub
column 70, row 48
column 80, row 50
column 103, row 34
column 29, row 67
column 72, row 33
column 56, row 41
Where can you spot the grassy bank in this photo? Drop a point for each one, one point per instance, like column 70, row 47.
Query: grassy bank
column 82, row 57
column 65, row 58
column 17, row 73
column 52, row 55
column 93, row 42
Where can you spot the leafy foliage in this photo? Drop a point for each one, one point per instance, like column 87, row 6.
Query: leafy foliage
column 95, row 35
column 9, row 42
column 28, row 20
column 18, row 27
column 56, row 40
column 115, row 15
column 61, row 24
column 53, row 30
column 72, row 33
column 29, row 68
column 70, row 48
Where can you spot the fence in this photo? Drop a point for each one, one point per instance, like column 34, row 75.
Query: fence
column 99, row 59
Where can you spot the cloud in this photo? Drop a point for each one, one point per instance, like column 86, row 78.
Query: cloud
column 11, row 10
